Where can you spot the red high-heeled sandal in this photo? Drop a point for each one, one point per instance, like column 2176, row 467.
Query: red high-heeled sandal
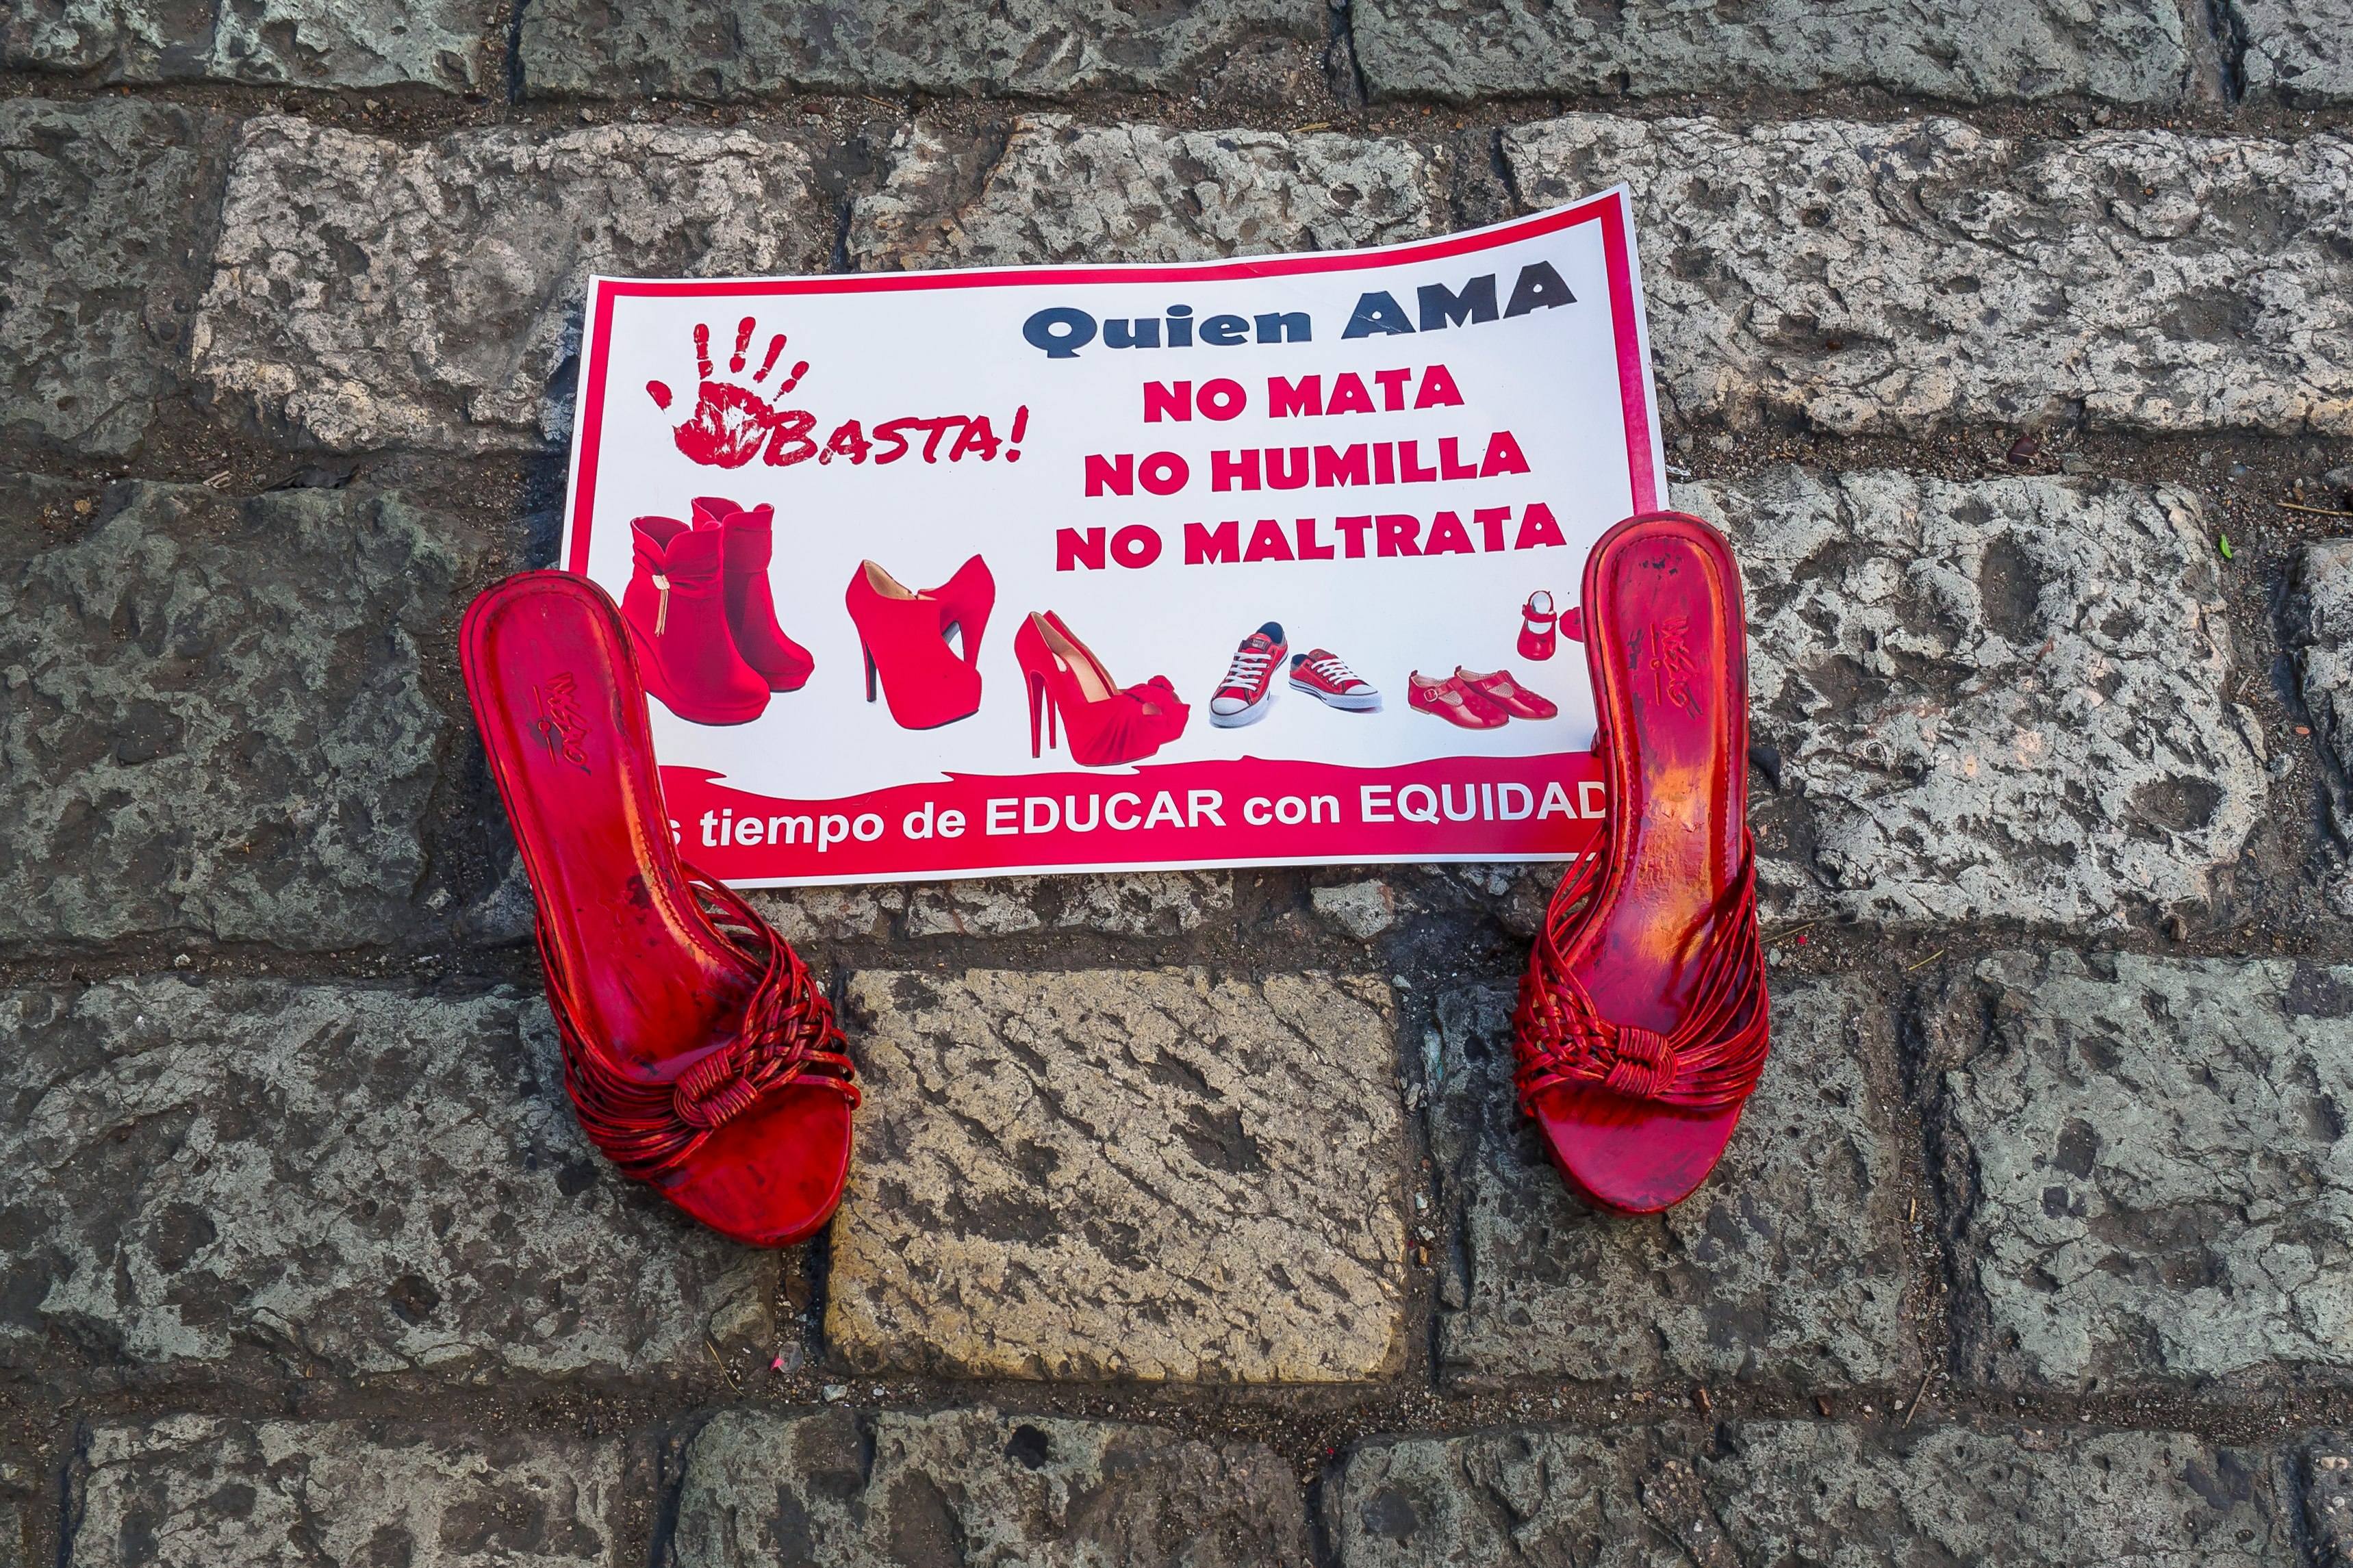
column 1644, row 1021
column 1103, row 723
column 1537, row 626
column 903, row 636
column 748, row 536
column 676, row 611
column 697, row 1049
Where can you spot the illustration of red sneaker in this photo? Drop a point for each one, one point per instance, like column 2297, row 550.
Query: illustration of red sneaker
column 1247, row 689
column 903, row 635
column 749, row 533
column 676, row 610
column 1500, row 688
column 1447, row 698
column 1539, row 627
column 1103, row 723
column 1331, row 682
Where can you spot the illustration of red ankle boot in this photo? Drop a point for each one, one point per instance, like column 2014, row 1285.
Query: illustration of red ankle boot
column 1103, row 723
column 903, row 636
column 677, row 615
column 782, row 663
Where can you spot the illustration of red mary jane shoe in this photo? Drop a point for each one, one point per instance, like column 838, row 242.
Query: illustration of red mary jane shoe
column 747, row 545
column 1643, row 1020
column 1447, row 697
column 1499, row 688
column 699, row 1052
column 903, row 635
column 1538, row 626
column 676, row 610
column 1102, row 722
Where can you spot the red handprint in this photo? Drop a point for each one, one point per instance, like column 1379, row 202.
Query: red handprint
column 732, row 422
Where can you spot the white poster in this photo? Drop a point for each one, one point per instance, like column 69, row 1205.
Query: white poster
column 1097, row 568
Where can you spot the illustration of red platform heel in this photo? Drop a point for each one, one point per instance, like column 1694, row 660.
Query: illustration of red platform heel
column 749, row 535
column 698, row 1050
column 1644, row 1021
column 1103, row 723
column 903, row 636
column 675, row 607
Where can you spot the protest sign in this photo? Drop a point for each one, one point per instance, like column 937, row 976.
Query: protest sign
column 941, row 574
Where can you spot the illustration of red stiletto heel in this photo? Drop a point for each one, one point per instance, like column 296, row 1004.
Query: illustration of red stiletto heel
column 676, row 612
column 1103, row 723
column 902, row 634
column 747, row 536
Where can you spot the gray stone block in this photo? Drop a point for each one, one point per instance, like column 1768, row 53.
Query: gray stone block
column 2328, row 1504
column 1888, row 277
column 1135, row 904
column 2318, row 616
column 1789, row 1264
column 101, row 207
column 1123, row 1175
column 213, row 717
column 1063, row 191
column 1787, row 1491
column 1130, row 904
column 2003, row 699
column 374, row 1179
column 861, row 1490
column 304, row 43
column 201, row 1491
column 2296, row 51
column 2148, row 1167
column 367, row 293
column 1035, row 49
column 2127, row 51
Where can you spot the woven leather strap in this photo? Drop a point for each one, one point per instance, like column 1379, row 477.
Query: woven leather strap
column 1714, row 1055
column 787, row 1039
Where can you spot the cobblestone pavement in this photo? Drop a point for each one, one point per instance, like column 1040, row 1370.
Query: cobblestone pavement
column 2012, row 344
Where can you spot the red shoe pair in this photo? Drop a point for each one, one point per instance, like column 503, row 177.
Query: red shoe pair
column 699, row 611
column 697, row 1049
column 1475, row 701
column 1105, row 723
column 1643, row 1019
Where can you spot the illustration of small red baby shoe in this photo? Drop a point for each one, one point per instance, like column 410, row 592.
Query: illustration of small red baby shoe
column 1448, row 698
column 676, row 610
column 1324, row 677
column 1247, row 689
column 749, row 533
column 698, row 1051
column 1538, row 626
column 1499, row 688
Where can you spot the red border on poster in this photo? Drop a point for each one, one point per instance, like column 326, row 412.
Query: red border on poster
column 1351, row 813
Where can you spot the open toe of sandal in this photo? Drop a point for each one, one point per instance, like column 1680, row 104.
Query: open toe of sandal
column 697, row 1051
column 1643, row 1020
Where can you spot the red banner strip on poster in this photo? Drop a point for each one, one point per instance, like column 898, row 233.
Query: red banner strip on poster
column 1184, row 814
